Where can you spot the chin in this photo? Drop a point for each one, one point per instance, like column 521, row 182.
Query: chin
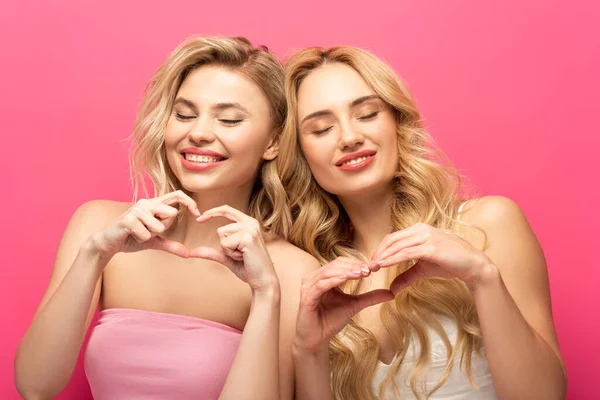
column 360, row 188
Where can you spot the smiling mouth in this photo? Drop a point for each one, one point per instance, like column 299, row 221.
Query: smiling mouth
column 202, row 159
column 355, row 161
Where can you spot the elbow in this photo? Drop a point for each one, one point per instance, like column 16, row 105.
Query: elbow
column 35, row 388
column 30, row 392
column 34, row 392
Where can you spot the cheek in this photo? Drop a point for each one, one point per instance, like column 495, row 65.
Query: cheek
column 174, row 132
column 248, row 143
column 315, row 153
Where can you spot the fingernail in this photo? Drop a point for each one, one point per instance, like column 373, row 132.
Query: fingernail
column 356, row 272
column 380, row 263
column 365, row 270
column 342, row 276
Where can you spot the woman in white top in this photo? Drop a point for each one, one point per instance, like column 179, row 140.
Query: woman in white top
column 440, row 276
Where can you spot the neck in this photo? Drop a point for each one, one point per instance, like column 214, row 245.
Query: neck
column 371, row 217
column 194, row 234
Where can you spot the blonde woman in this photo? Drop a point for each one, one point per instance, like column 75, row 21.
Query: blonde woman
column 458, row 289
column 191, row 293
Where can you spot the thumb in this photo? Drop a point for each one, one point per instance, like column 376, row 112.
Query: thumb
column 407, row 278
column 209, row 253
column 371, row 298
column 170, row 246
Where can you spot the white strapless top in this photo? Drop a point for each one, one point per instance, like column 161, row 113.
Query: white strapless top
column 456, row 387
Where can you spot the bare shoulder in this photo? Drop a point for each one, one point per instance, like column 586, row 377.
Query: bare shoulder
column 509, row 239
column 496, row 215
column 95, row 214
column 290, row 261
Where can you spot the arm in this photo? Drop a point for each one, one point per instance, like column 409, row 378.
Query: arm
column 48, row 352
column 324, row 311
column 509, row 285
column 512, row 298
column 313, row 380
column 290, row 264
column 254, row 373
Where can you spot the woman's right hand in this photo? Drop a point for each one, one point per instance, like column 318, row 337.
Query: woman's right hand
column 140, row 227
column 324, row 309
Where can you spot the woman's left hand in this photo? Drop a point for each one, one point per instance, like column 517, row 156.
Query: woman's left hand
column 243, row 249
column 439, row 253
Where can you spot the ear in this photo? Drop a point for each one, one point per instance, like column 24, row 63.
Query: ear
column 272, row 150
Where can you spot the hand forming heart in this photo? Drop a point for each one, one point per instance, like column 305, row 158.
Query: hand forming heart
column 439, row 253
column 325, row 309
column 243, row 249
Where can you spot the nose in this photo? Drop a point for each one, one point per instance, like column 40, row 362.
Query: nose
column 202, row 131
column 350, row 136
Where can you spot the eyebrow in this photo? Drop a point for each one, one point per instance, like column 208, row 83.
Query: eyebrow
column 224, row 106
column 354, row 103
column 216, row 106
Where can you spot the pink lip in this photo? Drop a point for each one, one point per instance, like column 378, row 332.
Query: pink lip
column 193, row 166
column 370, row 154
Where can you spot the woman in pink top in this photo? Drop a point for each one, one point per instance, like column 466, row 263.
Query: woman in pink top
column 193, row 284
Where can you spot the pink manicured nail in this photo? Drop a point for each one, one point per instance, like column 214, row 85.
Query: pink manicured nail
column 356, row 272
column 342, row 276
column 365, row 270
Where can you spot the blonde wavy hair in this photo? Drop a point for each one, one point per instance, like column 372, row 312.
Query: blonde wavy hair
column 425, row 191
column 268, row 202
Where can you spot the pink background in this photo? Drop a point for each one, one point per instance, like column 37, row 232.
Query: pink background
column 508, row 88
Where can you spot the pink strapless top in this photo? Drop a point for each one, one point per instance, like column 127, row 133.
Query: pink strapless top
column 134, row 354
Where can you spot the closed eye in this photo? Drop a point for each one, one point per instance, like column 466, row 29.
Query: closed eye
column 230, row 122
column 322, row 131
column 184, row 117
column 370, row 116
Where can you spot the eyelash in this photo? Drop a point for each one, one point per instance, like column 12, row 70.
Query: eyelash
column 365, row 118
column 231, row 122
column 228, row 122
column 322, row 131
column 370, row 116
column 184, row 117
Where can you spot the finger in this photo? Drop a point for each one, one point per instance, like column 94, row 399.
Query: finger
column 409, row 241
column 423, row 251
column 311, row 295
column 229, row 229
column 233, row 245
column 162, row 210
column 134, row 227
column 362, row 301
column 179, row 197
column 224, row 211
column 317, row 289
column 216, row 255
column 407, row 278
column 170, row 246
column 333, row 273
column 348, row 266
column 150, row 222
column 396, row 236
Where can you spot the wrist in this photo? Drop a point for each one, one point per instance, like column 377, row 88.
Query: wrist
column 93, row 253
column 487, row 275
column 302, row 351
column 268, row 291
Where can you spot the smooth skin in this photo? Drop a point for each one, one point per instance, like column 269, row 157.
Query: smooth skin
column 214, row 264
column 508, row 281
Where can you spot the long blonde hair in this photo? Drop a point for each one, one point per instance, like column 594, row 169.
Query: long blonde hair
column 425, row 191
column 268, row 201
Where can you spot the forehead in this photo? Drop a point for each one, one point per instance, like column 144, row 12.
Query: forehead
column 213, row 84
column 331, row 86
